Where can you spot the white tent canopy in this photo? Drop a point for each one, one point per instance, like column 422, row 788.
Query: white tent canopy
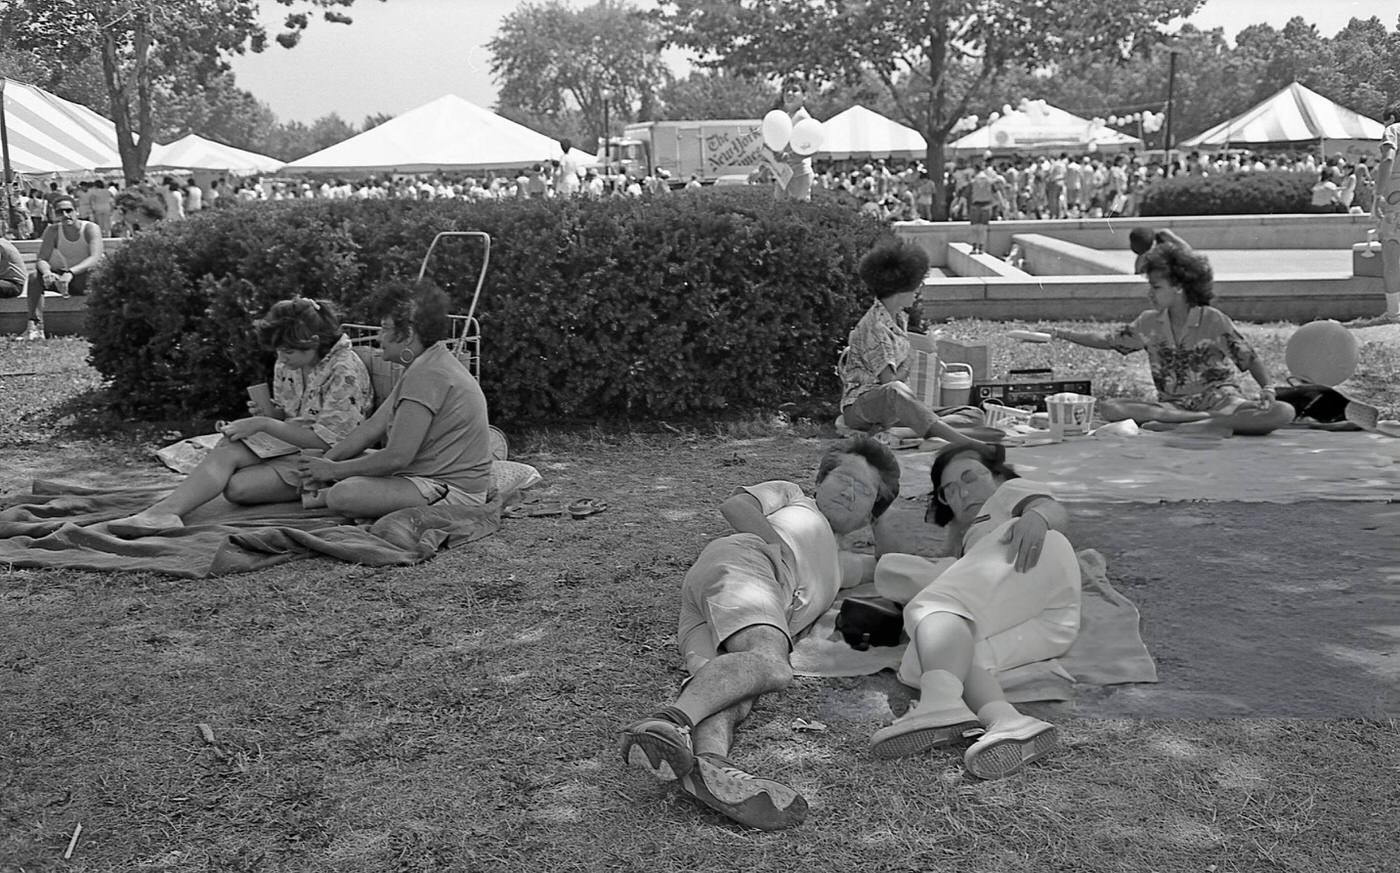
column 1050, row 130
column 194, row 152
column 862, row 133
column 1295, row 115
column 447, row 134
column 48, row 134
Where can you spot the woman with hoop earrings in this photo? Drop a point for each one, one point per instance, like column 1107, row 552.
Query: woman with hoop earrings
column 437, row 447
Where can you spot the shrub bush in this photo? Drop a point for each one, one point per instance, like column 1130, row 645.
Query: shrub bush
column 634, row 308
column 1273, row 192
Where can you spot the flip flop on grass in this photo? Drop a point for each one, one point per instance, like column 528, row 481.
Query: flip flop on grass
column 586, row 506
column 532, row 510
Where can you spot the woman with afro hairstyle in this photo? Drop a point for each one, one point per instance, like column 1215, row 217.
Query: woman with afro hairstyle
column 875, row 369
column 1193, row 350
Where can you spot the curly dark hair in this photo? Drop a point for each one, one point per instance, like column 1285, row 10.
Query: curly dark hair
column 1391, row 113
column 878, row 455
column 789, row 80
column 1186, row 269
column 893, row 267
column 299, row 323
column 993, row 457
column 421, row 305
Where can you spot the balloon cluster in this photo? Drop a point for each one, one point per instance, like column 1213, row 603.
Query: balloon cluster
column 1151, row 121
column 804, row 137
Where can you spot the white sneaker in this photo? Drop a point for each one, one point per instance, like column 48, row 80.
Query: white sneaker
column 1006, row 748
column 922, row 728
column 35, row 332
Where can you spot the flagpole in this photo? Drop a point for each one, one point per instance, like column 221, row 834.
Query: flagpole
column 10, row 218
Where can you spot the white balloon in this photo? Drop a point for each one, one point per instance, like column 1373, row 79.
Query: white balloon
column 1006, row 109
column 993, row 117
column 1113, row 120
column 777, row 130
column 1092, row 146
column 807, row 136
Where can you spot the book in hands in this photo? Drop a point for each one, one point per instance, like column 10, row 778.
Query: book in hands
column 265, row 446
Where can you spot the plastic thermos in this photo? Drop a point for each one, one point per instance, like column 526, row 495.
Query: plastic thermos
column 955, row 385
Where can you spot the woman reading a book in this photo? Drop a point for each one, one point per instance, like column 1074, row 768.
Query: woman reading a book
column 320, row 393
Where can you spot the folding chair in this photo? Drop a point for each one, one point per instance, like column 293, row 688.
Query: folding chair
column 466, row 330
column 465, row 341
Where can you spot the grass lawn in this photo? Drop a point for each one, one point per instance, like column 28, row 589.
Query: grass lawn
column 462, row 714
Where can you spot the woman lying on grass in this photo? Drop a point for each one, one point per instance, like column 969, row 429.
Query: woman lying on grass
column 321, row 392
column 1190, row 347
column 437, row 445
column 1011, row 598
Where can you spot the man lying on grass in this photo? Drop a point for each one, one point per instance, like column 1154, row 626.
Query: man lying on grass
column 742, row 603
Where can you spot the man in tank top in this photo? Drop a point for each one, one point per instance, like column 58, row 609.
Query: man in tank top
column 68, row 253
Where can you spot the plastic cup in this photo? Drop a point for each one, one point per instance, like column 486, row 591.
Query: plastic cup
column 313, row 493
column 261, row 396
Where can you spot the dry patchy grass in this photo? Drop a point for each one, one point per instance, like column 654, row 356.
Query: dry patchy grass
column 462, row 715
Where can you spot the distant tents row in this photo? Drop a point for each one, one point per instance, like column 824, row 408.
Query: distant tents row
column 48, row 134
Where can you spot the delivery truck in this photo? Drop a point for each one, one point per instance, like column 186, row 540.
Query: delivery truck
column 724, row 150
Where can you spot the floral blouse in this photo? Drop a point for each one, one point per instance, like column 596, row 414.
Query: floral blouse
column 331, row 398
column 1191, row 371
column 878, row 340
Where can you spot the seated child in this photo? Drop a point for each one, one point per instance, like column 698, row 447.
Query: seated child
column 1190, row 347
column 321, row 392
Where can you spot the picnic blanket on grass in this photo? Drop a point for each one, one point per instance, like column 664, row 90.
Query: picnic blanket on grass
column 1108, row 651
column 64, row 526
column 1286, row 466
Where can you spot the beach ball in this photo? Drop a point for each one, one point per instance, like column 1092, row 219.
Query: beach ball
column 807, row 136
column 1322, row 352
column 777, row 130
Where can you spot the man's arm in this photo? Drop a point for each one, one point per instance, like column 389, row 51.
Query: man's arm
column 856, row 569
column 46, row 247
column 745, row 515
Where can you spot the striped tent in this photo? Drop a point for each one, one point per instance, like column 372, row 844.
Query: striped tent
column 48, row 134
column 1296, row 115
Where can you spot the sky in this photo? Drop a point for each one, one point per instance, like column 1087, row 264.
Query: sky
column 400, row 54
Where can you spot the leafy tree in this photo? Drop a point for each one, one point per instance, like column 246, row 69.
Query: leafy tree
column 934, row 57
column 548, row 58
column 143, row 46
column 704, row 95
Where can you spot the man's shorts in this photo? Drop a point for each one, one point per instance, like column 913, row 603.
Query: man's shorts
column 1389, row 226
column 10, row 289
column 738, row 581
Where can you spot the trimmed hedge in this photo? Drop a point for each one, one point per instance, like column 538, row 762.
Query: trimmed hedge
column 693, row 304
column 1265, row 193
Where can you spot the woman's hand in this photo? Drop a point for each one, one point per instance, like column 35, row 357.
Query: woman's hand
column 1267, row 396
column 245, row 427
column 1026, row 536
column 317, row 469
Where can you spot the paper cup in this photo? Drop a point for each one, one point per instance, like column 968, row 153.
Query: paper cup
column 261, row 395
column 1070, row 414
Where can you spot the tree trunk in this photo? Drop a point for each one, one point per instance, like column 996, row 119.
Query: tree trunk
column 134, row 146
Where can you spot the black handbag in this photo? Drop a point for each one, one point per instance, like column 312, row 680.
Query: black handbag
column 1317, row 402
column 870, row 621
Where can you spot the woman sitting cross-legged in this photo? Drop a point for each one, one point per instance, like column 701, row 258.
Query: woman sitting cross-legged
column 1192, row 349
column 875, row 370
column 1011, row 598
column 321, row 392
column 437, row 444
